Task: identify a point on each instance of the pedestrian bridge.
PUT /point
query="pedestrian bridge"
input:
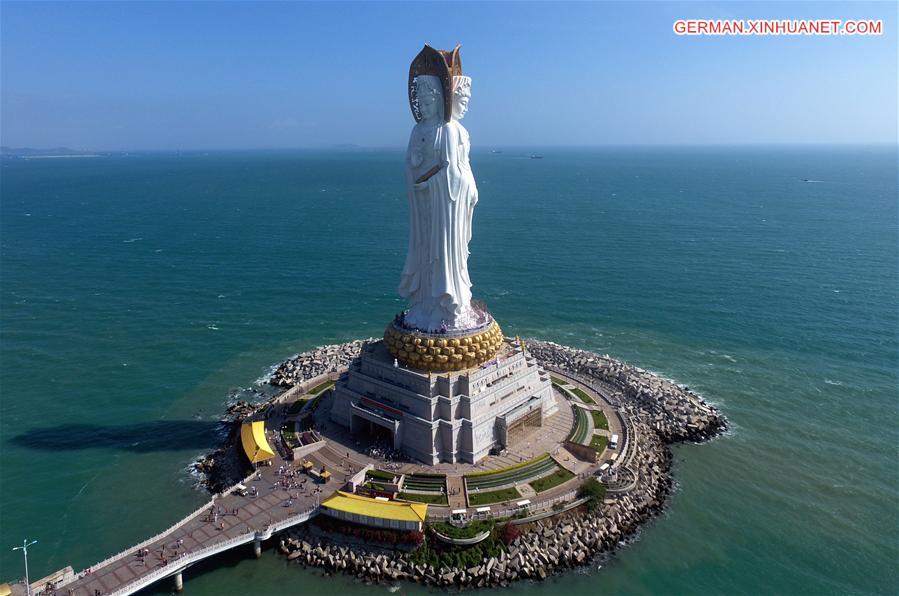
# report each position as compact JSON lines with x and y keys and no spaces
{"x":193,"y":539}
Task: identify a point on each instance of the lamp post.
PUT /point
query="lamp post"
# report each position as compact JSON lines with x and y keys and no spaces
{"x":24,"y":549}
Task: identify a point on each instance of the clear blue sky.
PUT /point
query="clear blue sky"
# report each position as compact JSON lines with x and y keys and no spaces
{"x":166,"y":75}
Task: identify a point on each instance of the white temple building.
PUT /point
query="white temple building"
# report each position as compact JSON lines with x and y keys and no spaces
{"x":444,"y":417}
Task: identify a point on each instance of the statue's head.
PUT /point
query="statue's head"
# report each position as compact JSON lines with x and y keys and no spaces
{"x":441,"y":65}
{"x":428,"y":97}
{"x":461,"y":96}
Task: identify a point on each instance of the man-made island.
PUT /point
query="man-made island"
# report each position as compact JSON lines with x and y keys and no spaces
{"x":558,"y":495}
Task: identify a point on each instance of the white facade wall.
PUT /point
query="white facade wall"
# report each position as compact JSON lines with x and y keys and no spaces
{"x":448,"y":417}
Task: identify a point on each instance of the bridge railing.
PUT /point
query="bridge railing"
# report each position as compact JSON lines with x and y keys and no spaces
{"x":157,"y":537}
{"x":511,"y":511}
{"x":185,"y":559}
{"x":145,"y":543}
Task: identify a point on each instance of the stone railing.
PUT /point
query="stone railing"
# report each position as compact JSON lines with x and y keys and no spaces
{"x":184,"y":560}
{"x":462,"y":541}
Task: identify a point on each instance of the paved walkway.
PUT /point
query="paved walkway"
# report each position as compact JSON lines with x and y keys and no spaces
{"x":455,"y":488}
{"x":225,"y":519}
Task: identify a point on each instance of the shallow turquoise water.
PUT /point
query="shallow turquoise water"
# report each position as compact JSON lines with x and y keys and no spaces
{"x":137,"y":291}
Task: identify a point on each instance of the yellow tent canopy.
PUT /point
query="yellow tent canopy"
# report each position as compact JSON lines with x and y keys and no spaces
{"x":252,"y":437}
{"x":359,"y":505}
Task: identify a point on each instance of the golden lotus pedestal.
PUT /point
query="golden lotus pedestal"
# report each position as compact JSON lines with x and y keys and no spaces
{"x":441,"y":352}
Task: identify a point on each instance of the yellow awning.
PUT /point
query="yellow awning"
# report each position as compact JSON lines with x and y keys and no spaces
{"x":5,"y":590}
{"x":350,"y":503}
{"x":252,"y":437}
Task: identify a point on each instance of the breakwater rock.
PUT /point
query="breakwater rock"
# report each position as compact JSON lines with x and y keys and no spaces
{"x":225,"y":466}
{"x":675,"y":412}
{"x":314,"y":363}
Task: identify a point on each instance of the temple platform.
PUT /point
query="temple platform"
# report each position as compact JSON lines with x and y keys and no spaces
{"x":450,"y":417}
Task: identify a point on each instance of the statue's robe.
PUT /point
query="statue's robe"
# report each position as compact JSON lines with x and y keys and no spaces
{"x":435,"y":277}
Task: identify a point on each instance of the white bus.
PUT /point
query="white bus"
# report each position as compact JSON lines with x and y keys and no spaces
{"x":613,"y":442}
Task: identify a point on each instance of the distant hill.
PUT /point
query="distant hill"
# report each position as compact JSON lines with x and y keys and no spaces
{"x":27,"y":151}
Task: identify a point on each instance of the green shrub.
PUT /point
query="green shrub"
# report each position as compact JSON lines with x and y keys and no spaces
{"x":594,"y":490}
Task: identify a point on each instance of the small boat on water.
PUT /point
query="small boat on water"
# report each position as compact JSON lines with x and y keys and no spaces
{"x":535,"y":156}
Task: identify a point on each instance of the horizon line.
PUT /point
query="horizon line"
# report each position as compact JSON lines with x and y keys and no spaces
{"x":353,"y":146}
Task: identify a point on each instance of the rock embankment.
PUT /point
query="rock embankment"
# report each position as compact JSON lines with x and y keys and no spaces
{"x":317,"y":362}
{"x":547,"y":547}
{"x":675,"y":412}
{"x":224,"y":467}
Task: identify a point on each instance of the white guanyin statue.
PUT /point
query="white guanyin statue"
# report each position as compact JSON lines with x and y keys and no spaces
{"x":442,"y":196}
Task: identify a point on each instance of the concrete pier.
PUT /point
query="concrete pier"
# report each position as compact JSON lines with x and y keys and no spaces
{"x":179,"y":582}
{"x":257,"y":548}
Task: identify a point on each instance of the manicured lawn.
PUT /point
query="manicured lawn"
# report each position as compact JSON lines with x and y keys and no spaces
{"x":557,"y":380}
{"x":508,"y":468}
{"x":321,"y":387}
{"x":493,"y":496}
{"x":512,"y":475}
{"x":295,"y":407}
{"x":555,"y":479}
{"x":583,"y":395}
{"x":380,"y":475}
{"x":580,"y":428}
{"x":599,"y":443}
{"x":599,"y":420}
{"x":429,"y":483}
{"x":422,"y":498}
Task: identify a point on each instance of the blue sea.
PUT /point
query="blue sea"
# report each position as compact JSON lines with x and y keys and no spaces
{"x":138,"y":291}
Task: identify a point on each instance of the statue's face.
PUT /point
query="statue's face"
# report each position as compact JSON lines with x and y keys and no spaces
{"x":429,"y":100}
{"x":460,"y":106}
